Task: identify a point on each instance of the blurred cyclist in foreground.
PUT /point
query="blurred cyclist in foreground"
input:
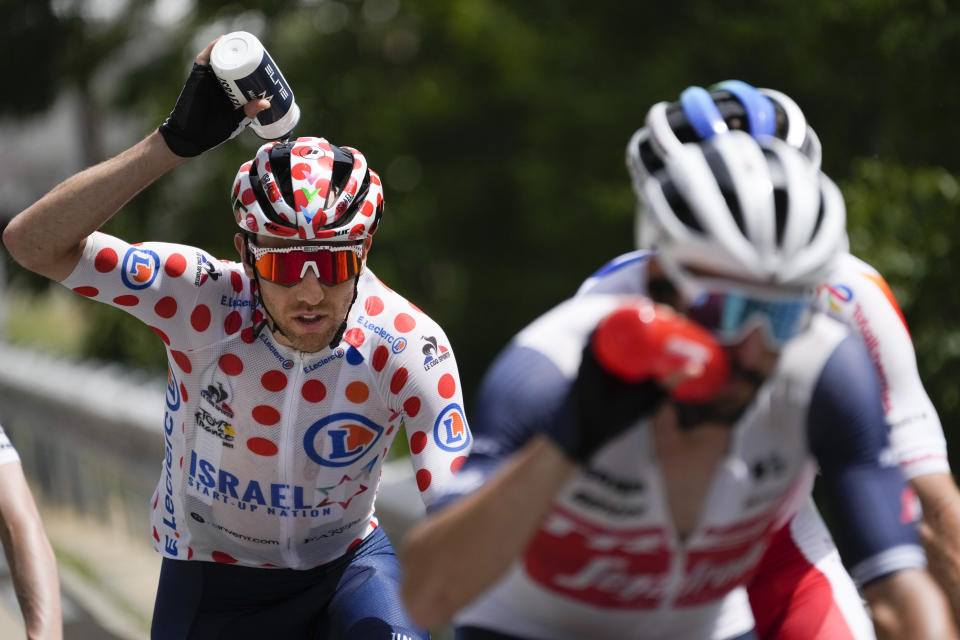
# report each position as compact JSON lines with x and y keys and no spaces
{"x":801,"y":585}
{"x":637,"y":449}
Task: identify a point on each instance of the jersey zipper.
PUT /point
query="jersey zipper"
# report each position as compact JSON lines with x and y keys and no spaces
{"x":675,"y":578}
{"x":287,"y":444}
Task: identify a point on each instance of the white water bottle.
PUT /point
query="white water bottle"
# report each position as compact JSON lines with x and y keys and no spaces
{"x":247,"y":72}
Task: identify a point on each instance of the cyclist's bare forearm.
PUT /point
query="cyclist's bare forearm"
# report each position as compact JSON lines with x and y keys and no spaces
{"x":940,"y":531}
{"x":31,"y":559}
{"x":908,"y":605}
{"x":48,"y":237}
{"x":453,"y":556}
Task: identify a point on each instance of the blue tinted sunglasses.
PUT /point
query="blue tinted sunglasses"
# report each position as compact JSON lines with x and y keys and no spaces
{"x":731,"y":315}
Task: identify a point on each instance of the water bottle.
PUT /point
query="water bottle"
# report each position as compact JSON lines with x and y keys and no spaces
{"x":246,"y":72}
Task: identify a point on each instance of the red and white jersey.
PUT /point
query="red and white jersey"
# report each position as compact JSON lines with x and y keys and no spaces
{"x":607,"y":561}
{"x":804,"y":556}
{"x":856,"y":294}
{"x":273,"y":456}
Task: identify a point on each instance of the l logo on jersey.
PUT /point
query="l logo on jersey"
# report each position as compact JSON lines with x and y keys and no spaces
{"x":450,"y":430}
{"x":341,"y":439}
{"x":173,"y":391}
{"x":140,"y":268}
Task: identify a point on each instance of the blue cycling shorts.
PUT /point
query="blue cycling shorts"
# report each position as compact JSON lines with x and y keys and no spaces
{"x":356,"y":596}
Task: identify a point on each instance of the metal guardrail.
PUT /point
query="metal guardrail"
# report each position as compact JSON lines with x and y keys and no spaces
{"x":88,"y":434}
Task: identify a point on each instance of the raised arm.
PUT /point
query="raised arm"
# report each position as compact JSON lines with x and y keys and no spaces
{"x":48,"y":237}
{"x":29,"y":555}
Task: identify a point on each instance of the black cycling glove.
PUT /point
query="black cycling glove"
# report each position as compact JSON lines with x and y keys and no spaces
{"x":600,"y":406}
{"x":203,"y":117}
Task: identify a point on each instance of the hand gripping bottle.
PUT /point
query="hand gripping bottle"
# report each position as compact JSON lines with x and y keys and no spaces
{"x":642,"y":341}
{"x":246,"y":71}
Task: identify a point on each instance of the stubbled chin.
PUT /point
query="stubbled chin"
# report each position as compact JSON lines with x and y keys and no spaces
{"x":306,"y":341}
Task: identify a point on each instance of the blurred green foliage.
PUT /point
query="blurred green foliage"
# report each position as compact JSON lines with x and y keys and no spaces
{"x":499,"y":128}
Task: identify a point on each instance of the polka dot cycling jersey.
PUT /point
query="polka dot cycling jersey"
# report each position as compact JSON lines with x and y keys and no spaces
{"x":273,"y":456}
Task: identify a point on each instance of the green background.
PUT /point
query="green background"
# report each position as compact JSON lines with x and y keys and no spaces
{"x":499,"y":129}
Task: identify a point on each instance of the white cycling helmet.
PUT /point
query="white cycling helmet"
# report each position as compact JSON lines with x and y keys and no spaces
{"x":308,"y":189}
{"x":701,"y":114}
{"x":740,"y":209}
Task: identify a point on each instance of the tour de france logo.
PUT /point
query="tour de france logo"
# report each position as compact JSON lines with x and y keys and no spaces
{"x":341,"y":439}
{"x":837,"y":296}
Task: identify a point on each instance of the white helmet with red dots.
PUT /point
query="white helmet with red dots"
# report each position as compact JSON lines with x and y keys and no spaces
{"x":308,"y":189}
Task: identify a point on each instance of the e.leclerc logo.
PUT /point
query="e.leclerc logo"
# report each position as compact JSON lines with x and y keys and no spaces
{"x":450,"y":430}
{"x":341,"y":439}
{"x":173,"y":391}
{"x":140,"y":268}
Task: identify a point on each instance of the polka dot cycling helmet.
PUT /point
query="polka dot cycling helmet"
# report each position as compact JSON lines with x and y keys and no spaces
{"x":701,"y":114}
{"x":743,"y":209}
{"x":308,"y":189}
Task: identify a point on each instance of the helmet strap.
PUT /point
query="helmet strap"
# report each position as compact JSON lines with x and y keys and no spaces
{"x":343,"y":326}
{"x":268,"y":320}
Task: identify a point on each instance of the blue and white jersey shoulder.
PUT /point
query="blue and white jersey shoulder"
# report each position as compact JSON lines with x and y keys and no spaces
{"x":626,"y":274}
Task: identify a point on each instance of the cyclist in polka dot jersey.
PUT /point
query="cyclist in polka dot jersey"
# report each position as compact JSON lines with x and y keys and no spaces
{"x":290,"y":373}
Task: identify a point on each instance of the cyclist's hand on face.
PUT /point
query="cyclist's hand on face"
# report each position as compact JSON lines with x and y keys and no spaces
{"x":204,"y":116}
{"x":639,"y":355}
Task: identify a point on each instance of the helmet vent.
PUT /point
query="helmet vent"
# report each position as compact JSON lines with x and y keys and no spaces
{"x":780,"y":207}
{"x":680,"y":207}
{"x":781,"y":199}
{"x":650,"y":159}
{"x":725,"y":182}
{"x":258,"y":191}
{"x":280,"y":166}
{"x":342,"y":165}
{"x":820,"y":214}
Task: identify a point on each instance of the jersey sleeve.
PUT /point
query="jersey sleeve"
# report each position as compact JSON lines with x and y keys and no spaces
{"x":857,"y":295}
{"x":864,"y":493}
{"x":186,"y":296}
{"x":625,"y":274}
{"x":7,"y":452}
{"x":422,"y":383}
{"x":520,"y":396}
